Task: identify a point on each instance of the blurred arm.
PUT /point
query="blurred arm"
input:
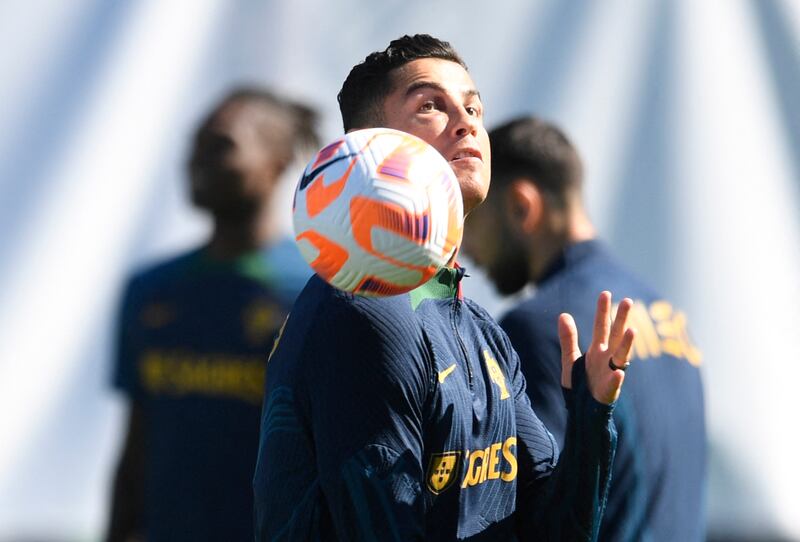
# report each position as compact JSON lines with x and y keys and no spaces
{"x":127,"y":500}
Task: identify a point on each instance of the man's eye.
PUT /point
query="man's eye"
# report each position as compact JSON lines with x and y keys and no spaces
{"x":427,"y":106}
{"x":473,"y":111}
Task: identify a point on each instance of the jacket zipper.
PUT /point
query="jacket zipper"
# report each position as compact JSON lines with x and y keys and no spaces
{"x":456,"y":306}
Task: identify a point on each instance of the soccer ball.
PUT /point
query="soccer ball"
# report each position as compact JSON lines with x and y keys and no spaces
{"x":378,"y":212}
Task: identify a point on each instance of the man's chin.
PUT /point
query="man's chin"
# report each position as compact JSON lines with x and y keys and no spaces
{"x":473,"y":192}
{"x":227,"y":209}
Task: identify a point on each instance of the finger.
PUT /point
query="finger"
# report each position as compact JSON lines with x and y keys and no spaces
{"x":622,"y":354}
{"x":568,"y":337}
{"x":570,"y":351}
{"x":619,"y":324}
{"x":602,"y":319}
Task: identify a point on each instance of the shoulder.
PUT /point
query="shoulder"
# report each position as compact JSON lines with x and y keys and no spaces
{"x":599,"y":269}
{"x":145,"y":299}
{"x":588,"y":268}
{"x":154,"y":275}
{"x":331,"y":316}
{"x":333,"y":336}
{"x":483,"y":319}
{"x":492,"y":332}
{"x":154,"y":281}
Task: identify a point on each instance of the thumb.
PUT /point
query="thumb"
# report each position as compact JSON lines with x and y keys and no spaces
{"x":570,"y":351}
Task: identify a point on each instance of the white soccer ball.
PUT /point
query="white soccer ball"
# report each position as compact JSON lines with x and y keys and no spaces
{"x":378,"y":212}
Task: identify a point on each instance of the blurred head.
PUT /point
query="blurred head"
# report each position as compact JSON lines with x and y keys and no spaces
{"x":531,"y":211}
{"x":241,"y":149}
{"x":420,"y":85}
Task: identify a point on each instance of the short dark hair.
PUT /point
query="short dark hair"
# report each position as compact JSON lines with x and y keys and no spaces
{"x":368,"y":83}
{"x":537,"y":150}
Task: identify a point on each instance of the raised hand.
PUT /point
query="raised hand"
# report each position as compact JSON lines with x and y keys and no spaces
{"x":609,"y":353}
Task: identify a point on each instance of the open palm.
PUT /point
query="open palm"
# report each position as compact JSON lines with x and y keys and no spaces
{"x":611,"y":341}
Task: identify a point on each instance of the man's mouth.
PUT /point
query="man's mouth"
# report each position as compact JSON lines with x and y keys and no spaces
{"x":466,"y":154}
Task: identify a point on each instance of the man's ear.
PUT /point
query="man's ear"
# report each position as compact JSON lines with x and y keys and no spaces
{"x":525,"y":205}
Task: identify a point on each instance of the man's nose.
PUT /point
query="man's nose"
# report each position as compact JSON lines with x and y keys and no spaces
{"x":465,"y":124}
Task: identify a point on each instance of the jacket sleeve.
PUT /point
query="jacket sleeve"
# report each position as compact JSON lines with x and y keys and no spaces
{"x":562,"y":497}
{"x":536,"y":343}
{"x":626,"y":514}
{"x":371,"y":379}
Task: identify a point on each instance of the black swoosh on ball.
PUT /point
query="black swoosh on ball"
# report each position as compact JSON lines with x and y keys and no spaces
{"x":306,"y":180}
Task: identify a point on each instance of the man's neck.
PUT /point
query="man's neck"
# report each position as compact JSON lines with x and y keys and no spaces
{"x":233,"y":238}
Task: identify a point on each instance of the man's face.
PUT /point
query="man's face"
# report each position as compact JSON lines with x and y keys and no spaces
{"x":490,"y":242}
{"x":232,"y":168}
{"x":436,"y":100}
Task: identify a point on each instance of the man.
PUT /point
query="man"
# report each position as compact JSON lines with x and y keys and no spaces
{"x":195,"y":333}
{"x":534,"y":228}
{"x":405,"y":417}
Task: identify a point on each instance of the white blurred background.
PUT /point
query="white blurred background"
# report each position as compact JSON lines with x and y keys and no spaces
{"x":687,"y":114}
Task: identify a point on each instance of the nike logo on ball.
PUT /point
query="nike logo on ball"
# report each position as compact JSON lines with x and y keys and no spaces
{"x":306,"y":180}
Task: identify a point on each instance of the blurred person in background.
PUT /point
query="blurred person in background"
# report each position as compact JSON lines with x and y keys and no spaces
{"x":195,"y":332}
{"x":533,"y":228}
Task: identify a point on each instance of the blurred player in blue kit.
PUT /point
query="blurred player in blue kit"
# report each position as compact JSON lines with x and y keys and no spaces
{"x":406,"y":417}
{"x":533,"y":228}
{"x":195,"y":332}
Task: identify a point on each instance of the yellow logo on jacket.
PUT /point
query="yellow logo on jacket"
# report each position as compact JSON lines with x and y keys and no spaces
{"x":442,"y":471}
{"x":496,"y":374}
{"x":444,"y":374}
{"x":486,"y":464}
{"x":498,"y":461}
{"x":260,"y":319}
{"x":157,"y":315}
{"x":179,"y":372}
{"x":661,"y":330}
